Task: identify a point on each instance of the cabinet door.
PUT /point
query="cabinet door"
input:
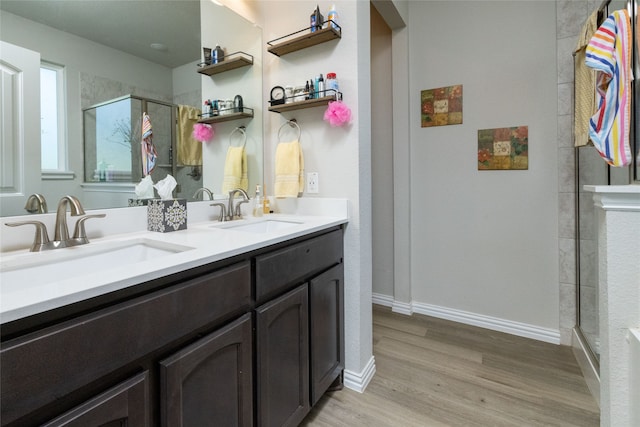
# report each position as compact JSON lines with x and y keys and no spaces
{"x":210,"y":382}
{"x":282,"y":359}
{"x":326,"y":314}
{"x":127,"y":404}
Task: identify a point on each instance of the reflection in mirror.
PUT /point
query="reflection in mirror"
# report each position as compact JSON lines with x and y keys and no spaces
{"x":112,"y":151}
{"x":104,"y":49}
{"x":110,"y":133}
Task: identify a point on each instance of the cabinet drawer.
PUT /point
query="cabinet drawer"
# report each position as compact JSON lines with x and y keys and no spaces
{"x":125,"y":404}
{"x":284,"y":268}
{"x":46,"y":365}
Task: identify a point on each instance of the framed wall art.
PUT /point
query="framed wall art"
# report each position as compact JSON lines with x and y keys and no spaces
{"x":503,"y":148}
{"x":441,"y":106}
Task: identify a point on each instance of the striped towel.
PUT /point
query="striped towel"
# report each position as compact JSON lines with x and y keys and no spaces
{"x":147,"y":149}
{"x":609,"y":53}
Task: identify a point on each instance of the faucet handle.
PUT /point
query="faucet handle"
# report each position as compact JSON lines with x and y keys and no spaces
{"x":41,"y":238}
{"x":223,"y":216}
{"x":36,"y":203}
{"x":238,"y":211}
{"x":79,"y":233}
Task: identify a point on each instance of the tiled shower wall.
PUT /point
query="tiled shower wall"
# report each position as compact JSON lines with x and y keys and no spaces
{"x":570,"y":17}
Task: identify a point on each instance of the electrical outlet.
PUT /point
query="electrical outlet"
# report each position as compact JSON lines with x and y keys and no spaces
{"x":312,"y":182}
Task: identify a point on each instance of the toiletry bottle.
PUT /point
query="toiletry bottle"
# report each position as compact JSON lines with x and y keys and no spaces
{"x":266,"y":206}
{"x":237,"y":104}
{"x":312,"y":90}
{"x":332,"y":84}
{"x":217,"y":55}
{"x":319,"y":18}
{"x":307,"y":90}
{"x":258,"y":207}
{"x":313,"y":22}
{"x":332,"y":17}
{"x":320,"y":87}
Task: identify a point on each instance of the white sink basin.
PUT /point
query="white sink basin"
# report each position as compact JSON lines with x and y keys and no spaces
{"x":60,"y":264}
{"x":259,"y":227}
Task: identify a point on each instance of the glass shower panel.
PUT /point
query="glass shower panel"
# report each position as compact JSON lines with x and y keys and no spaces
{"x":592,"y":170}
{"x":109,"y":139}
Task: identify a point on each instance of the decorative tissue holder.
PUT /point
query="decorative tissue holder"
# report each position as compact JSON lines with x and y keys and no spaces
{"x":139,"y":202}
{"x":167,"y":215}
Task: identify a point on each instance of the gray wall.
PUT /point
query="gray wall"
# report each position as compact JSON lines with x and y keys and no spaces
{"x":485,"y":243}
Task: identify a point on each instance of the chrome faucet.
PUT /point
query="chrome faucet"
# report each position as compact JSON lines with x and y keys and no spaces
{"x":203,"y":190}
{"x":36,"y":203}
{"x":61,"y":229}
{"x":41,"y":240}
{"x":233,"y":212}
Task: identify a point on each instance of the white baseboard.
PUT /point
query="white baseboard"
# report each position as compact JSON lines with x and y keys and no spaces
{"x":402,"y":308}
{"x":494,"y":323}
{"x":360,"y":381}
{"x":381,"y":299}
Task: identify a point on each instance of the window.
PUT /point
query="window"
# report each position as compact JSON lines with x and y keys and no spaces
{"x":52,"y":118}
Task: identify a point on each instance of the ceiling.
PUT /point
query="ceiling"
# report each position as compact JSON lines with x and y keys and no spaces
{"x":130,"y":26}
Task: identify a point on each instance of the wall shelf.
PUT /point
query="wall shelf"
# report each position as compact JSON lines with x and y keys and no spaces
{"x":287,"y":44}
{"x":230,"y":62}
{"x":308,"y":103}
{"x":244,"y":114}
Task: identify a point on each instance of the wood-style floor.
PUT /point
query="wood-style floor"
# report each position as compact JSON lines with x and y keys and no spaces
{"x":433,"y":372}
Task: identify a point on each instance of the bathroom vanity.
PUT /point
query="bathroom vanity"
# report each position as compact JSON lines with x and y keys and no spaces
{"x":251,"y":337}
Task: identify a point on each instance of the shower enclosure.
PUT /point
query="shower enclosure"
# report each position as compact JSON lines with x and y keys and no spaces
{"x":112,"y":136}
{"x":592,"y":170}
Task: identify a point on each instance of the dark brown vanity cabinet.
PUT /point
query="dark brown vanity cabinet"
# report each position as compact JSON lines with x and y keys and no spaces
{"x":299,"y":334}
{"x":71,"y":364}
{"x":210,"y":380}
{"x":255,"y":339}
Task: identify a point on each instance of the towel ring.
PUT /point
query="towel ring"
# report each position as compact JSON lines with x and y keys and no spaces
{"x":240,"y":129}
{"x":291,"y":123}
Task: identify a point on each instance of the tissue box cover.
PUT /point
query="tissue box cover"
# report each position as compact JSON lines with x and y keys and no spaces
{"x":167,"y":215}
{"x":139,"y":202}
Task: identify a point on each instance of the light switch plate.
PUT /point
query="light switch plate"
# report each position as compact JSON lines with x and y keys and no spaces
{"x":312,"y":183}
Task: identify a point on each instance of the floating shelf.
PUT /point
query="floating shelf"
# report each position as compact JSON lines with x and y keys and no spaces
{"x":308,"y":103}
{"x":287,"y":44}
{"x":244,"y":114}
{"x":230,"y":62}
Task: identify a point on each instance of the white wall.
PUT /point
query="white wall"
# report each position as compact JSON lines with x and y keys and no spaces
{"x":341,"y":156}
{"x":382,"y":155}
{"x":485,"y":242}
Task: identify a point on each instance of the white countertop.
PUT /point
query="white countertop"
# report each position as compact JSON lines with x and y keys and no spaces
{"x":205,"y":242}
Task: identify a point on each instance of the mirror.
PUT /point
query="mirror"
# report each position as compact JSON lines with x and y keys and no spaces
{"x":105,"y":49}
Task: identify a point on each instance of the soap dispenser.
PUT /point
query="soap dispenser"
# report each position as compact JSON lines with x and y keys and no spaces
{"x":257,"y":203}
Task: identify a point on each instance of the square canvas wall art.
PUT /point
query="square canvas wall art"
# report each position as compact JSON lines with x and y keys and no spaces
{"x":441,"y":106}
{"x":503,"y":148}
